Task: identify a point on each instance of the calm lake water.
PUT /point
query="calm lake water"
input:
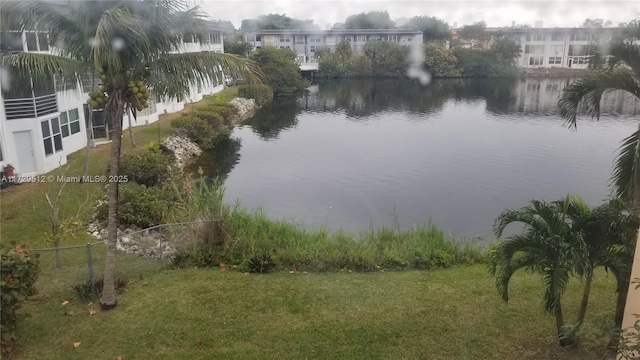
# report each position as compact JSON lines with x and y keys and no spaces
{"x":354,"y":153}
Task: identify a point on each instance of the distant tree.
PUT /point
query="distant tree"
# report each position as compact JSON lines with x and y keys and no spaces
{"x":276,"y":22}
{"x":440,"y":62}
{"x":237,"y":47}
{"x":280,"y":69}
{"x":475,"y":31}
{"x":432,"y":28}
{"x":593,"y":23}
{"x":386,"y":58}
{"x":343,"y":51}
{"x":336,"y":64}
{"x":507,"y":50}
{"x":370,"y":20}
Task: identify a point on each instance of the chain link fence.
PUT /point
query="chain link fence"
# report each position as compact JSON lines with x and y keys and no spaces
{"x":79,"y":269}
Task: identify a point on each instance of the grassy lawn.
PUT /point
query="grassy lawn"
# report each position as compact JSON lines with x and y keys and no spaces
{"x":209,"y":314}
{"x":24,"y":210}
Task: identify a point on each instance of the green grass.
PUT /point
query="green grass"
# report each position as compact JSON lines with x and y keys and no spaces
{"x":208,"y":314}
{"x":23,"y":208}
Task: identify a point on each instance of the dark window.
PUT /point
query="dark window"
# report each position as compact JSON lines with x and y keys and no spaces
{"x":31,"y":41}
{"x":46,"y":137}
{"x":11,"y":41}
{"x":43,"y":41}
{"x":258,"y":38}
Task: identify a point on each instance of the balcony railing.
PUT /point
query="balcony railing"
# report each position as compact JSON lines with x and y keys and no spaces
{"x":30,"y":107}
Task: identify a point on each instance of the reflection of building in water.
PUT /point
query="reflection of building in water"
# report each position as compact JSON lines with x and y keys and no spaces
{"x":540,"y":96}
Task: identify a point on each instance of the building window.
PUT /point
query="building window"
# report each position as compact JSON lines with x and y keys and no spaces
{"x":576,"y":50}
{"x":535,"y":37}
{"x":11,"y":41}
{"x":51,"y":136}
{"x":312,"y":48}
{"x":299,"y":39}
{"x":258,"y":38}
{"x":32,"y":44}
{"x":43,"y":41}
{"x":361,"y":38}
{"x":582,"y":36}
{"x":70,"y":122}
{"x":535,"y":60}
{"x":555,"y":60}
{"x":533,"y":49}
{"x":315,"y":40}
{"x":557,"y":37}
{"x":285,"y":39}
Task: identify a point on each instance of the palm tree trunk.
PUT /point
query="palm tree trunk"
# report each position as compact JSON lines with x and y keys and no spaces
{"x":585,"y":299}
{"x":621,"y":303}
{"x":85,"y":167}
{"x":564,"y":341}
{"x":133,"y":141}
{"x":108,"y":299}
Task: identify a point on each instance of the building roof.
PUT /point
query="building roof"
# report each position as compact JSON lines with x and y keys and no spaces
{"x":564,"y":29}
{"x":337,"y":31}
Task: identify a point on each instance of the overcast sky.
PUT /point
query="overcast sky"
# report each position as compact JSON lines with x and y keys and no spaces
{"x":559,"y":13}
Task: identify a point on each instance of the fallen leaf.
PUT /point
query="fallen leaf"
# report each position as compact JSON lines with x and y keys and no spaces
{"x":119,"y":358}
{"x":19,"y":249}
{"x":92,"y":312}
{"x":222,"y":265}
{"x":64,"y":303}
{"x":291,"y":272}
{"x":76,"y":344}
{"x":246,"y":273}
{"x":8,"y":349}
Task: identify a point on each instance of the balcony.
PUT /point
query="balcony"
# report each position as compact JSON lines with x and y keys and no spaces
{"x":30,"y":107}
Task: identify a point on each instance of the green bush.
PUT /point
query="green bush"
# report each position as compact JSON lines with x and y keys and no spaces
{"x":262,"y":94}
{"x":149,"y":167}
{"x":18,"y":273}
{"x":142,"y":206}
{"x":196,"y":129}
{"x":139,"y":206}
{"x":228,"y":112}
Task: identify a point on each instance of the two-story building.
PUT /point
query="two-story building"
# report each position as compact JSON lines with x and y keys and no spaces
{"x":43,"y":121}
{"x":555,"y":47}
{"x":306,"y":42}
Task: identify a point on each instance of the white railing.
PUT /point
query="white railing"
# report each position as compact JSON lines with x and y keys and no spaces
{"x":30,"y":107}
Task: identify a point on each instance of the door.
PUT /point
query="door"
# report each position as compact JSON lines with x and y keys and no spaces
{"x":24,"y":147}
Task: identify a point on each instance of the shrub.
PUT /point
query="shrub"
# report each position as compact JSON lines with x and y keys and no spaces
{"x":260,"y":263}
{"x":228,"y":112}
{"x":18,"y":273}
{"x":196,"y":129}
{"x":211,"y":117}
{"x":262,"y":94}
{"x":139,"y":206}
{"x":149,"y":167}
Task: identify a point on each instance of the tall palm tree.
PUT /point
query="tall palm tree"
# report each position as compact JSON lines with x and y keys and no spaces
{"x":547,"y":245}
{"x":128,"y":43}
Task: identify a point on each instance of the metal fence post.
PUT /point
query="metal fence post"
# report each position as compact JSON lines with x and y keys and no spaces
{"x":92,"y":279}
{"x":162,"y":233}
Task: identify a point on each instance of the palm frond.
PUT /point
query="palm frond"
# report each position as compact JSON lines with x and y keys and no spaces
{"x":556,"y":279}
{"x":173,"y":74}
{"x":622,"y":52}
{"x":625,"y":180}
{"x":44,"y":66}
{"x":589,"y":91}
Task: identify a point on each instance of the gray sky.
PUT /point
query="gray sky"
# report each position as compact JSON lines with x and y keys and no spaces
{"x":559,"y":13}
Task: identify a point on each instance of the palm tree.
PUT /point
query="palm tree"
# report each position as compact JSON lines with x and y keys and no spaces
{"x":621,"y":71}
{"x":547,"y":245}
{"x":608,"y":232}
{"x":127,"y":43}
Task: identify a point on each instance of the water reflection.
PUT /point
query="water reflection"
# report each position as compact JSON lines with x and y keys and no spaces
{"x":458,"y":152}
{"x":537,"y":96}
{"x":220,"y":162}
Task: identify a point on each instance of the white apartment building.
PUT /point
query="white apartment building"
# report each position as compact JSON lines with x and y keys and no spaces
{"x":555,"y":47}
{"x":42,"y":122}
{"x":306,"y":42}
